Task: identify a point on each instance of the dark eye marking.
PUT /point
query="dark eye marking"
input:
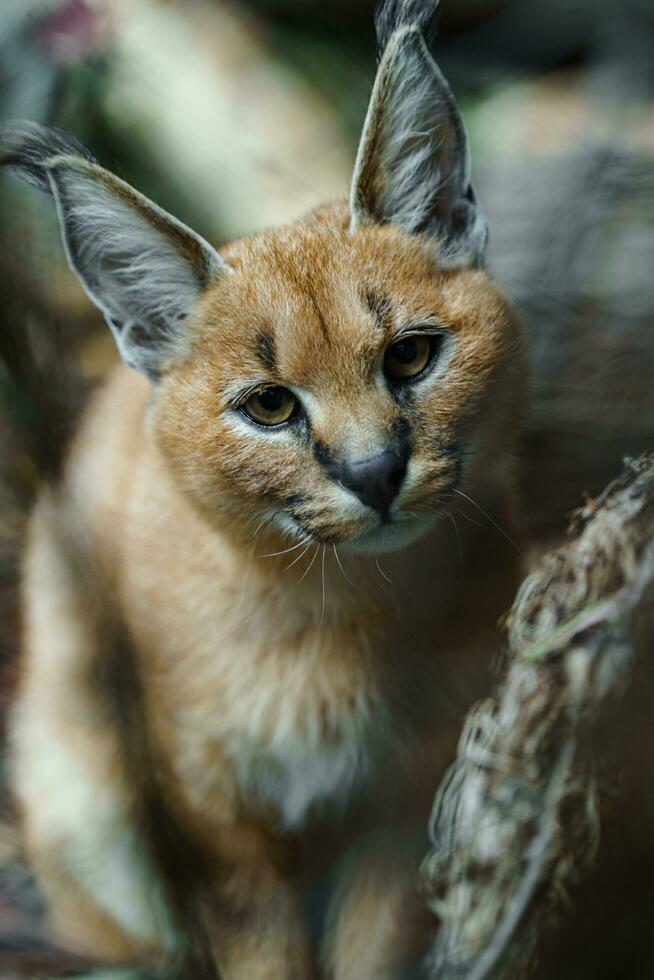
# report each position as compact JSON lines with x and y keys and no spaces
{"x":403,"y":430}
{"x":380,"y":309}
{"x":323,"y":455}
{"x":322,"y":323}
{"x":452,"y":449}
{"x":266,"y":352}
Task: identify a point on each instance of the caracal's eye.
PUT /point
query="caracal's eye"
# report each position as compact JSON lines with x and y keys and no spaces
{"x":271,"y":406}
{"x":408,"y":357}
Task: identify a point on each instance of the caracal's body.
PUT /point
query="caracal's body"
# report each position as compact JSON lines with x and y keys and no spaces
{"x":253,"y":604}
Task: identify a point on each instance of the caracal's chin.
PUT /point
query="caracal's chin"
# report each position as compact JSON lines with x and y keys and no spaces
{"x":402,"y":532}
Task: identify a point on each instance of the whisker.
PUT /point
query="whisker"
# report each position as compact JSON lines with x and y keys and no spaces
{"x":458,"y":536}
{"x":297,"y":557}
{"x":266,"y":519}
{"x":274,"y":554}
{"x":310,"y":565}
{"x":341,"y":567}
{"x":489,"y":518}
{"x":322,"y":610}
{"x":381,"y":571}
{"x":468,"y":517}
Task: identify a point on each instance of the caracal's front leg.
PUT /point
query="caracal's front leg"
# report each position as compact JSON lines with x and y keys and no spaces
{"x":257,"y":930}
{"x":380,"y":924}
{"x":72,"y":787}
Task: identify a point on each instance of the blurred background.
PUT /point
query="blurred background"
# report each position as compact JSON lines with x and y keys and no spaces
{"x":238,"y":115}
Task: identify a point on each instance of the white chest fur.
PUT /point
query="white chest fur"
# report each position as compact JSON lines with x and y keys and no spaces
{"x":290,"y":755}
{"x":297,"y":709}
{"x":296,"y":775}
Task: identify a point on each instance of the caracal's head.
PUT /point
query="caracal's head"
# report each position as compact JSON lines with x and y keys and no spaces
{"x":336,"y":379}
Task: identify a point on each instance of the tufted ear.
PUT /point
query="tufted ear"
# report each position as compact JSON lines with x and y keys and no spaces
{"x":413,"y":164}
{"x":139,"y":265}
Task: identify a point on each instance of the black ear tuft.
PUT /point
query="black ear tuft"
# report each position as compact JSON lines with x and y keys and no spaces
{"x":27,"y":147}
{"x":391,"y":15}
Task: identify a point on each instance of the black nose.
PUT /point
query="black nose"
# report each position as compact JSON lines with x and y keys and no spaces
{"x":377,"y":479}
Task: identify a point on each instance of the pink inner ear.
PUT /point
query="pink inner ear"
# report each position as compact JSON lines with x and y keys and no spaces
{"x":72,"y":31}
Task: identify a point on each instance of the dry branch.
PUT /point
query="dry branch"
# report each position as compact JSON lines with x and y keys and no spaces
{"x":515,"y":821}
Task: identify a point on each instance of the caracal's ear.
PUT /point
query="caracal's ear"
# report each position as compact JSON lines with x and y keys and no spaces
{"x":139,"y":265}
{"x":413,"y":164}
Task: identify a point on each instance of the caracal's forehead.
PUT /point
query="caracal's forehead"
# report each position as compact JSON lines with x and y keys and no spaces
{"x":315,"y":301}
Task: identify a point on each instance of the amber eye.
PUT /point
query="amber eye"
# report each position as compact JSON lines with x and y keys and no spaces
{"x":271,"y":406}
{"x":409,"y":356}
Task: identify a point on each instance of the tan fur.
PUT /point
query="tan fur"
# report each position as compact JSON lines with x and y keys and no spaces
{"x":259,"y":680}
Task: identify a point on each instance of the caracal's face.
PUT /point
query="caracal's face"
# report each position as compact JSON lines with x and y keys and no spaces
{"x":339,"y":385}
